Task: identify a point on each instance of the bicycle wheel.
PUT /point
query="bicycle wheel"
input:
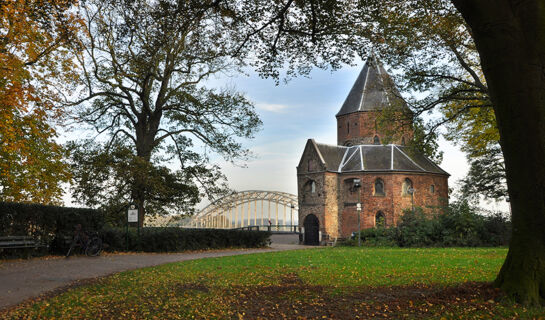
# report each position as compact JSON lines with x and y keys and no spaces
{"x":94,"y":247}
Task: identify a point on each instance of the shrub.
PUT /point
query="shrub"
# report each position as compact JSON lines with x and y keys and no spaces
{"x":172,"y":239}
{"x":460,"y":225}
{"x":379,"y":237}
{"x":53,"y":225}
{"x":45,"y":222}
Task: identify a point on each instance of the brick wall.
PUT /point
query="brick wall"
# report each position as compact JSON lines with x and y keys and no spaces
{"x":362,"y":127}
{"x":393,"y":202}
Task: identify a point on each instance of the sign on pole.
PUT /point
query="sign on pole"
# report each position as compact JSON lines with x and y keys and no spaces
{"x":132,"y":215}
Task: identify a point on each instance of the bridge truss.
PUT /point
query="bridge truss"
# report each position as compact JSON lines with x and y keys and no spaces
{"x":248,"y":208}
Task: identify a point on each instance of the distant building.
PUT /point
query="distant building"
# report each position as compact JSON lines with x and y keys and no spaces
{"x":391,"y":177}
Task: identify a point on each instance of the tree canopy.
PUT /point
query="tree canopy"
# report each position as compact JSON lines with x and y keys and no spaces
{"x":144,"y":65}
{"x":35,"y":63}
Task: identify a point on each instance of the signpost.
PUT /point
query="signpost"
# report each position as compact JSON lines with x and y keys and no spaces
{"x":132,"y":216}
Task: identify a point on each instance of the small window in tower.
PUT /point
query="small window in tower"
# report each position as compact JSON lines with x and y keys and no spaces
{"x":310,"y":187}
{"x":402,"y":141}
{"x":311,"y":165}
{"x":407,"y":187}
{"x":348,"y":127}
{"x":379,"y":187}
{"x":432,"y":188}
{"x":380,"y":220}
{"x":376,"y":140}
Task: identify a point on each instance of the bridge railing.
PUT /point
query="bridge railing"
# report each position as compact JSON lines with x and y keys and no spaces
{"x":275,"y":228}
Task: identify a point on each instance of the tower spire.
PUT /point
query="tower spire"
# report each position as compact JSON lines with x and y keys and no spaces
{"x":373,"y":90}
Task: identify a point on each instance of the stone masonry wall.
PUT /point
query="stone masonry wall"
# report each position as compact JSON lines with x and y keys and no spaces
{"x":361,"y":128}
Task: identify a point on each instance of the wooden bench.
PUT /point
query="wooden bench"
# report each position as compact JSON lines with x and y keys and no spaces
{"x":19,"y":242}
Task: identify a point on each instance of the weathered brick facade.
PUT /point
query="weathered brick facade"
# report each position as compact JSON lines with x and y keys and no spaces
{"x":362,"y":128}
{"x":387,"y":173}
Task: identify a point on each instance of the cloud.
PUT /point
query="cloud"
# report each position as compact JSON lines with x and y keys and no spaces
{"x":271,"y":107}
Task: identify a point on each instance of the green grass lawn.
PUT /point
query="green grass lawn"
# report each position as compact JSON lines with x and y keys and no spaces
{"x":342,"y":283}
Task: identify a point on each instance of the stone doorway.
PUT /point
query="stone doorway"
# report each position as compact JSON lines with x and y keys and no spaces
{"x":312,"y":228}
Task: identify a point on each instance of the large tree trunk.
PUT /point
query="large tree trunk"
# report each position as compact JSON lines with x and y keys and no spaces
{"x":510,"y":38}
{"x":146,"y":131}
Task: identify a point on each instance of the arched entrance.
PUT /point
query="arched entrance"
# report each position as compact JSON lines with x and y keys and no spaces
{"x":312,"y":227}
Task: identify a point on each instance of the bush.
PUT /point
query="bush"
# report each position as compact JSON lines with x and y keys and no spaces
{"x":53,"y":225}
{"x":460,"y":225}
{"x":379,"y":237}
{"x":172,"y":239}
{"x":45,"y":223}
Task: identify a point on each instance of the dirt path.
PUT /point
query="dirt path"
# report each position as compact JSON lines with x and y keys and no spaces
{"x":24,"y":279}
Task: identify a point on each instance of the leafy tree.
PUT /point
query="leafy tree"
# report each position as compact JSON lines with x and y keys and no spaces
{"x":508,"y":36}
{"x":432,"y":45}
{"x":143,"y":69}
{"x":34,"y":63}
{"x":486,"y":176}
{"x":104,"y":178}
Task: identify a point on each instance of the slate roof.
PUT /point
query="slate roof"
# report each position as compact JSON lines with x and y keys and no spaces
{"x":373,"y":90}
{"x":374,"y":158}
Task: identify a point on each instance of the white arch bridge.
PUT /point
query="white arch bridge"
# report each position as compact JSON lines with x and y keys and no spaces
{"x":252,"y":209}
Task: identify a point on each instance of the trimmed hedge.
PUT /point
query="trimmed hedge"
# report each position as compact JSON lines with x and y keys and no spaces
{"x":45,"y":222}
{"x":459,"y":226}
{"x":52,"y":225}
{"x":172,"y":239}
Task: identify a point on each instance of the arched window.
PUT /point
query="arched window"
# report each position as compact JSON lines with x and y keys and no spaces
{"x":402,"y":141}
{"x":407,"y":187}
{"x":376,"y":140}
{"x":310,"y":187}
{"x":380,"y":220}
{"x":432,"y":188}
{"x":379,"y":187}
{"x":349,"y":192}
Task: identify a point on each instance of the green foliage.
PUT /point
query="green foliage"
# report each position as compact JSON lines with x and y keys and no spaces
{"x":459,"y":226}
{"x":46,"y":223}
{"x":171,"y":239}
{"x":148,"y":96}
{"x":486,"y":175}
{"x":53,"y":226}
{"x":104,"y":176}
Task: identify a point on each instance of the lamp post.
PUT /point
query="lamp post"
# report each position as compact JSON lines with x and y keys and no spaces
{"x":291,"y":213}
{"x":356,"y":185}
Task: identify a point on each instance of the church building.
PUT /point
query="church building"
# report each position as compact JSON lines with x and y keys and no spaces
{"x":370,"y":172}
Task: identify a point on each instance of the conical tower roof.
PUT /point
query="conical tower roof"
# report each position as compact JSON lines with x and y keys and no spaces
{"x":373,"y":90}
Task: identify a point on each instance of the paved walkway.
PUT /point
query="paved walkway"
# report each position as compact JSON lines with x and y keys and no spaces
{"x":24,"y":279}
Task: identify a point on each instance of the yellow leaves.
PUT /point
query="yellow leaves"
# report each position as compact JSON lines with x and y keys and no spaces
{"x":33,"y":33}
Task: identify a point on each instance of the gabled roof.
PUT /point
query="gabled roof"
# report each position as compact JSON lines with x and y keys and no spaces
{"x":373,"y":90}
{"x":383,"y":158}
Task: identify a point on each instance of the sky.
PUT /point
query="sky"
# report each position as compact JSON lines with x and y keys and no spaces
{"x":294,"y":112}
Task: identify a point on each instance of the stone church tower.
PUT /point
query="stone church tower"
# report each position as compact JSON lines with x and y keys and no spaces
{"x":384,"y":178}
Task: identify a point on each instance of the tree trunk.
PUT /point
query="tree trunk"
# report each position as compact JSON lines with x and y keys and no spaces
{"x":510,"y":38}
{"x":146,"y":131}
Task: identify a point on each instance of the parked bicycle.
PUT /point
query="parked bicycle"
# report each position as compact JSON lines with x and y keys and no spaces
{"x":91,"y":244}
